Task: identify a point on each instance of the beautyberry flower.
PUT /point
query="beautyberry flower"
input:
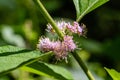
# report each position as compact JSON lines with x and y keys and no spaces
{"x":61,"y":25}
{"x":75,"y":28}
{"x":71,"y":28}
{"x":66,"y":26}
{"x":59,"y":48}
{"x":59,"y":51}
{"x":68,"y":43}
{"x":45,"y":45}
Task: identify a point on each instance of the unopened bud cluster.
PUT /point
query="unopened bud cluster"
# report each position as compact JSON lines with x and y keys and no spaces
{"x":60,"y":48}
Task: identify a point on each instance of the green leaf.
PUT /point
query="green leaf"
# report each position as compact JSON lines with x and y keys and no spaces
{"x":85,"y":6}
{"x":113,"y":73}
{"x":13,"y":57}
{"x":48,"y":70}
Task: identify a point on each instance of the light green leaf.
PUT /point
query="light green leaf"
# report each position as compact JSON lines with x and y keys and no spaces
{"x":85,"y":6}
{"x":13,"y":57}
{"x":48,"y":70}
{"x":113,"y":73}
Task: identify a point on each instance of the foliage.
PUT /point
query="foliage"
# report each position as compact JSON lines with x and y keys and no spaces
{"x":14,"y":57}
{"x":113,"y":73}
{"x":85,"y":6}
{"x":26,"y":21}
{"x":48,"y":70}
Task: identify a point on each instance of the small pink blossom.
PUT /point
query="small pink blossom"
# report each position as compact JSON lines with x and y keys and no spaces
{"x":69,"y":43}
{"x":63,"y":26}
{"x":60,"y":49}
{"x":71,"y":28}
{"x":79,"y":30}
{"x":75,"y":28}
{"x":45,"y":44}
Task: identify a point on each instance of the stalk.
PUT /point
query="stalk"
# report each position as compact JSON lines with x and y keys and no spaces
{"x":61,"y":35}
{"x":83,"y":66}
{"x":48,"y":17}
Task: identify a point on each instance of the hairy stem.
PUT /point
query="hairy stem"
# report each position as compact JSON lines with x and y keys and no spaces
{"x":60,"y":34}
{"x":48,"y":17}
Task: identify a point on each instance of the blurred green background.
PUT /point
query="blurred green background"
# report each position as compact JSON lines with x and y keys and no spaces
{"x":21,"y":24}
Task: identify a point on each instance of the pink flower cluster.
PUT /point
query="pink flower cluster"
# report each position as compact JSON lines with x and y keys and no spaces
{"x":63,"y":26}
{"x":59,"y":48}
{"x":75,"y":28}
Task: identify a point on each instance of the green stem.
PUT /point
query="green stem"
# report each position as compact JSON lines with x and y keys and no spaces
{"x":41,"y":58}
{"x":83,"y":66}
{"x":60,"y":34}
{"x":48,"y":18}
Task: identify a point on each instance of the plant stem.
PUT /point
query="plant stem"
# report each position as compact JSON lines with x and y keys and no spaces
{"x":83,"y":66}
{"x":48,"y":17}
{"x":60,"y":34}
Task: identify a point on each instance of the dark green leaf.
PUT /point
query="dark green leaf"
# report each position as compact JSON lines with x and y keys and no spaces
{"x":13,"y":57}
{"x":48,"y":70}
{"x":113,"y":73}
{"x":85,"y":6}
